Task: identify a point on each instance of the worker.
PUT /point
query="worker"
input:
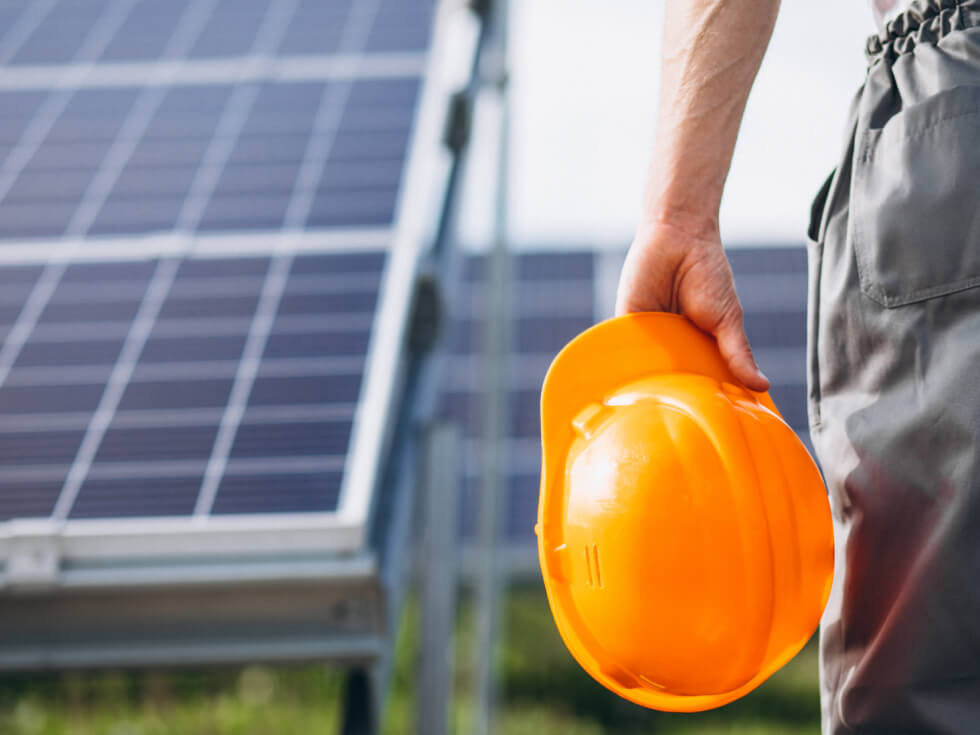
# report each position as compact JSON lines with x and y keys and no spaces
{"x":893,"y":356}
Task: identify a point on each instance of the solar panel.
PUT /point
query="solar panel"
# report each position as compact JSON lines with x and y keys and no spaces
{"x":197,"y":202}
{"x":300,"y":403}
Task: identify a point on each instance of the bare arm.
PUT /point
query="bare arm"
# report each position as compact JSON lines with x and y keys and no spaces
{"x":712,"y":51}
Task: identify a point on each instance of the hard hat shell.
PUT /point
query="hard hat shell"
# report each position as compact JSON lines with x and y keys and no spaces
{"x":684,"y":532}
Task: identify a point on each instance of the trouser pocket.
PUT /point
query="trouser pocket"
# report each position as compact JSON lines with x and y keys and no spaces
{"x":916,"y":201}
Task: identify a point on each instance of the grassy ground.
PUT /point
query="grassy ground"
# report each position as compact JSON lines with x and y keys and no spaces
{"x":542,"y":692}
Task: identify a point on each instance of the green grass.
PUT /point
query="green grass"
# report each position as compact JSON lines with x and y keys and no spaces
{"x":542,"y":691}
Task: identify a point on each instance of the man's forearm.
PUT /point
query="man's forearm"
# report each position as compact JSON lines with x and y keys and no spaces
{"x":712,"y":51}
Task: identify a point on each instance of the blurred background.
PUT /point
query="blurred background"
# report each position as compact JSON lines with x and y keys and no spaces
{"x":256,"y":474}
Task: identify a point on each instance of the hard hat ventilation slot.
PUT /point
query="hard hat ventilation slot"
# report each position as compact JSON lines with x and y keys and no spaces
{"x":592,"y":566}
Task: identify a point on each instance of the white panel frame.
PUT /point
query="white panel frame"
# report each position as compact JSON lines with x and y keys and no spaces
{"x":131,"y":543}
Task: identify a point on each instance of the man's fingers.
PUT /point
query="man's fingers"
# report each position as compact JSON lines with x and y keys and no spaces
{"x":694,"y":280}
{"x":734,"y":346}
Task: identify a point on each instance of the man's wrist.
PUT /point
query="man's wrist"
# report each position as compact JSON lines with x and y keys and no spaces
{"x":693,"y":224}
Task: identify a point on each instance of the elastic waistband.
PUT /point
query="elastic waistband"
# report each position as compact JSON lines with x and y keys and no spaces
{"x":926,"y":21}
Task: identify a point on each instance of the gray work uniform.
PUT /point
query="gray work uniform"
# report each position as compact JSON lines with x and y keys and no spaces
{"x":894,"y":383}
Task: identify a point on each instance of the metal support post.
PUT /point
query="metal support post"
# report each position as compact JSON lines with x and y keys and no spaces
{"x":360,"y":707}
{"x":495,"y":419}
{"x":438,"y":567}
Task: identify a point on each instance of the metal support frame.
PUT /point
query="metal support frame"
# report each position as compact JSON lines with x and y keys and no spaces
{"x":435,"y":278}
{"x":438,"y":565}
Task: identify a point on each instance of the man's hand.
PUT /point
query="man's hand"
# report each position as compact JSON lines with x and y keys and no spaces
{"x":668,"y":269}
{"x":712,"y":51}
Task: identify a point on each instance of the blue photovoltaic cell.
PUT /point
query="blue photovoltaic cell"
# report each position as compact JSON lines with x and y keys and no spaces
{"x":141,"y":496}
{"x":193,"y":348}
{"x":35,"y":219}
{"x":209,"y":307}
{"x":524,"y":412}
{"x":28,"y":497}
{"x":87,"y":352}
{"x":39,"y":447}
{"x":336,"y":263}
{"x":402,"y":25}
{"x":90,"y":311}
{"x":148,"y":444}
{"x":130,"y":271}
{"x":296,"y":438}
{"x":522,"y":501}
{"x":169,"y":152}
{"x":255,"y":178}
{"x":769,"y":260}
{"x":59,"y":398}
{"x":277,"y":492}
{"x":791,"y":401}
{"x":317,"y":344}
{"x":547,"y":334}
{"x":169,"y":394}
{"x":554,"y":266}
{"x":231,"y":31}
{"x":18,"y":109}
{"x":464,"y":336}
{"x":49,"y":186}
{"x":8,"y":313}
{"x":220,"y":267}
{"x":145,"y":32}
{"x":19,"y":275}
{"x":304,"y":390}
{"x":777,"y":329}
{"x":61,"y":34}
{"x":246,"y":212}
{"x":327,"y":303}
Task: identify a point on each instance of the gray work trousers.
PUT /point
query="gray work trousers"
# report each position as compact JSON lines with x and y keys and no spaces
{"x":894,"y":383}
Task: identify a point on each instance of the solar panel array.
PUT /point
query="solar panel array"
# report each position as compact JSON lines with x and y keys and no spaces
{"x":173,"y":385}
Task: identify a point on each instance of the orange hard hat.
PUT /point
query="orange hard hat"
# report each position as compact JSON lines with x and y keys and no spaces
{"x":684,"y":532}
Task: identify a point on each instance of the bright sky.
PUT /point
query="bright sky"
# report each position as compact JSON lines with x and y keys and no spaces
{"x":584,"y":101}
